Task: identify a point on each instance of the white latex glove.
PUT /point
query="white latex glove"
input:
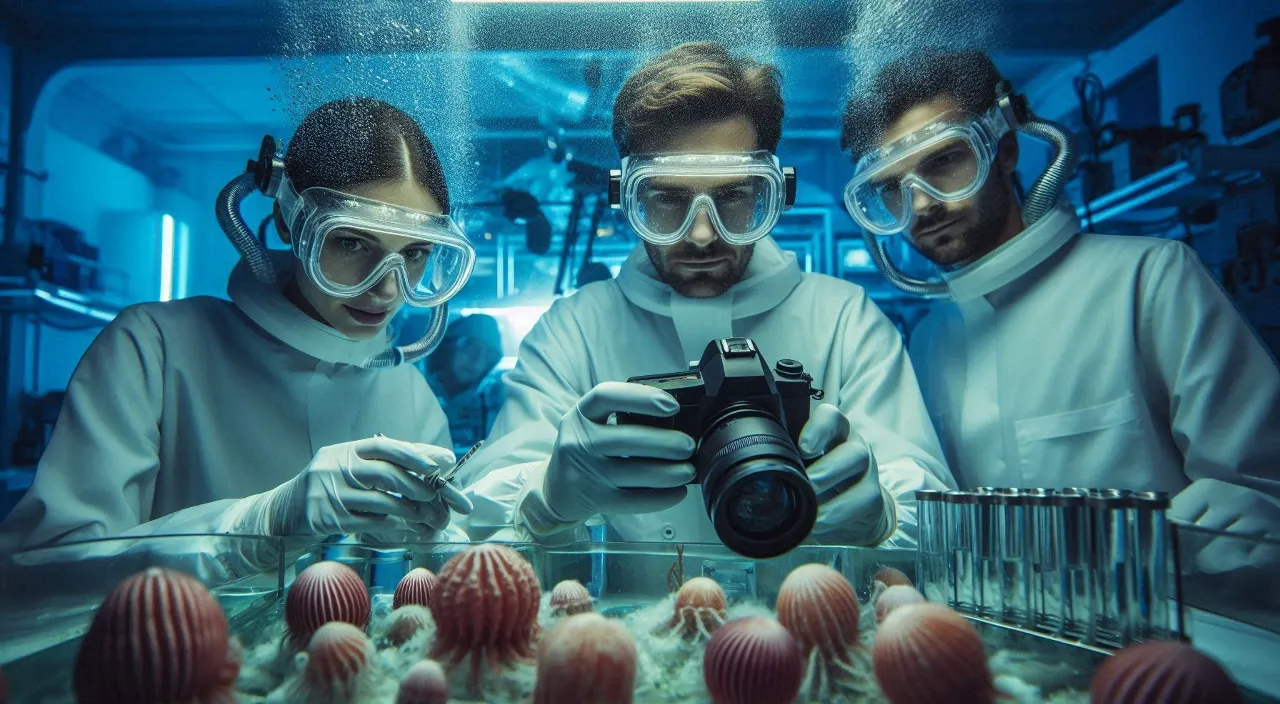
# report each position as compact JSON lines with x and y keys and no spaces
{"x":601,"y":467}
{"x":853,"y":508}
{"x":377,"y":485}
{"x":1231,"y":508}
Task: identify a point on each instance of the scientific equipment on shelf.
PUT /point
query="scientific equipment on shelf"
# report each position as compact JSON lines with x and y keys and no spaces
{"x":1092,"y":565}
{"x":1128,"y":155}
{"x":1250,"y":94}
{"x":64,"y":257}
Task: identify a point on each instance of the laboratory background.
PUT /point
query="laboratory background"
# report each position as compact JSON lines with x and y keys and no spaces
{"x":123,"y":125}
{"x":124,"y":120}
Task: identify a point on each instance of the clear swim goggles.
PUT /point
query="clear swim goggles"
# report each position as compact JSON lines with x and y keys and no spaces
{"x":948,"y":159}
{"x":743,"y":194}
{"x":348,"y":244}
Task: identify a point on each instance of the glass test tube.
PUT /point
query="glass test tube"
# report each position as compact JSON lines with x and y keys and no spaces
{"x":960,"y":509}
{"x":1149,"y":536}
{"x":1071,"y":525}
{"x":988,"y":538}
{"x":1112,"y":566}
{"x":1044,"y":588}
{"x":1015,"y":585}
{"x":931,"y":552}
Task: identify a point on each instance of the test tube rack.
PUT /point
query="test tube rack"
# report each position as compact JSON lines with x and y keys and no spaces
{"x":1094,"y":567}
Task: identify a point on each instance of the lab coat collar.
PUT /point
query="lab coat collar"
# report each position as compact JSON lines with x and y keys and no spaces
{"x":1014,"y":258}
{"x":266,"y":305}
{"x":770,"y":277}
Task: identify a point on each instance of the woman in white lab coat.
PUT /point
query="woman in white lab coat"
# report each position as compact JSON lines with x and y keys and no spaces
{"x":282,"y":411}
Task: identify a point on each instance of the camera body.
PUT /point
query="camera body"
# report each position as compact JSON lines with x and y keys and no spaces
{"x":731,"y":371}
{"x":746,"y":419}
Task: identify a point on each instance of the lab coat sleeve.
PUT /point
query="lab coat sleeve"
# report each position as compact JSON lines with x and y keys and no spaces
{"x":97,"y":477}
{"x":504,"y":478}
{"x":881,"y":397}
{"x":1222,"y":383}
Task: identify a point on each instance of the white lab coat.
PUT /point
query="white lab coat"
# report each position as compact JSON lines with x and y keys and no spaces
{"x":179,"y":409}
{"x":1084,"y":360}
{"x":613,"y":330}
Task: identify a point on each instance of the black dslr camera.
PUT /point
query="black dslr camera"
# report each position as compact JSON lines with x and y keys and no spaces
{"x":746,"y":421}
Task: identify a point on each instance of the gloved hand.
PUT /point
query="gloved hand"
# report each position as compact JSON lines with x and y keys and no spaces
{"x":351,"y":488}
{"x":846,"y":480}
{"x":599,"y":467}
{"x":1231,"y":508}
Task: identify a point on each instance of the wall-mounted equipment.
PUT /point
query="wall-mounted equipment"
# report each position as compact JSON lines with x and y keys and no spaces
{"x":63,"y":256}
{"x":1127,"y":155}
{"x":1251,"y":93}
{"x":1171,"y":168}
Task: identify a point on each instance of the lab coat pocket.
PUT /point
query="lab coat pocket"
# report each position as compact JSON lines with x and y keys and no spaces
{"x":1080,"y":447}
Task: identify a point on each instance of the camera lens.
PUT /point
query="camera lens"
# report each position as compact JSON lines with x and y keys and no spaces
{"x":761,"y":507}
{"x":757,"y":494}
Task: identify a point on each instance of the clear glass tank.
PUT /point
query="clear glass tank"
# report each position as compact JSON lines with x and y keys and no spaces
{"x":49,"y":597}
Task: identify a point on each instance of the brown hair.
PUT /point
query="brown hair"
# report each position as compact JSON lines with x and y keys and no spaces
{"x":693,"y":83}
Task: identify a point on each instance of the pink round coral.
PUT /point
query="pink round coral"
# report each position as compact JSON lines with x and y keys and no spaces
{"x":1164,"y":672}
{"x":819,"y":607}
{"x":323,"y":593}
{"x":890,"y":577}
{"x":404,"y":623}
{"x":425,"y":683}
{"x":894,"y":597}
{"x":570,"y":597}
{"x":338,"y":664}
{"x":586,"y":658}
{"x":753,"y":661}
{"x":417,"y":587}
{"x":700,"y":608}
{"x":927,"y":653}
{"x":486,"y":607}
{"x":159,"y":636}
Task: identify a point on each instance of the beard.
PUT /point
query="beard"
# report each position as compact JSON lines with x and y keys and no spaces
{"x":669,"y":261}
{"x":966,"y":243}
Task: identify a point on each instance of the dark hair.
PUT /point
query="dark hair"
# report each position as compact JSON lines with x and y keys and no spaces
{"x":968,"y":77}
{"x":362,"y":140}
{"x":693,"y":83}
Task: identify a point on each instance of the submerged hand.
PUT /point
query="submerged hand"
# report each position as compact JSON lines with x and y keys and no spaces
{"x":1230,"y":508}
